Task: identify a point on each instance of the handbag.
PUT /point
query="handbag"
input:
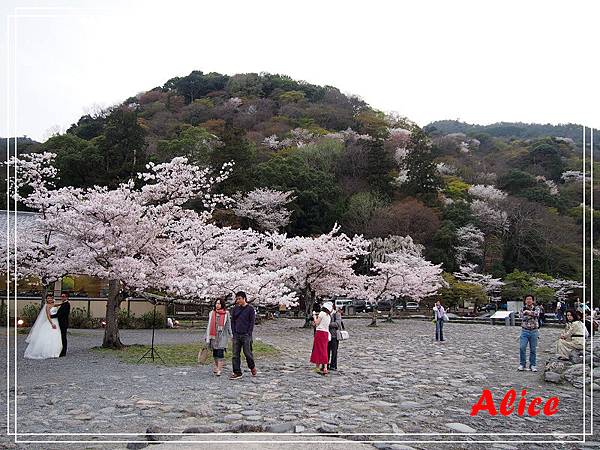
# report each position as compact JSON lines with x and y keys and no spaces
{"x":203,"y":354}
{"x":446,"y":318}
{"x":343,"y":335}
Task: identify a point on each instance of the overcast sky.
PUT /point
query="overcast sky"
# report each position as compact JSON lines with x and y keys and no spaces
{"x":477,"y":61}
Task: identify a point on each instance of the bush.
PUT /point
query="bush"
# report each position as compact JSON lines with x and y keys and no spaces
{"x":29,"y":314}
{"x":159,"y":321}
{"x":3,"y":308}
{"x":127,"y":320}
{"x":79,"y":319}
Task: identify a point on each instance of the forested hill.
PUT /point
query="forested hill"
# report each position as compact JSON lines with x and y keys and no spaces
{"x":511,"y":130}
{"x":467,"y":196}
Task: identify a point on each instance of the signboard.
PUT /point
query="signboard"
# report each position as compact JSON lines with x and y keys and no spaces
{"x":501,"y":314}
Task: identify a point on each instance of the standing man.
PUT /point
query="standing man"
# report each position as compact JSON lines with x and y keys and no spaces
{"x":529,"y":334}
{"x":559,"y":311}
{"x":63,"y":319}
{"x":242,"y":325}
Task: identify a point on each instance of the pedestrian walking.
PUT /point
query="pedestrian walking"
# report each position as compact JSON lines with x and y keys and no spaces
{"x":243,"y":317}
{"x":542,"y":318}
{"x":319,"y":355}
{"x":439,"y":314}
{"x":572,"y":337}
{"x":218,"y":332}
{"x":529,"y":334}
{"x":335,"y":326}
{"x":560,"y":312}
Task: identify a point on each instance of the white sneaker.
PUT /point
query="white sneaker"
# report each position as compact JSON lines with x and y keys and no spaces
{"x":533,"y":368}
{"x":521,"y":368}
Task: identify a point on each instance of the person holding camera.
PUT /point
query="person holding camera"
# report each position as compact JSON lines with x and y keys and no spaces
{"x":529,"y":334}
{"x":335,"y":326}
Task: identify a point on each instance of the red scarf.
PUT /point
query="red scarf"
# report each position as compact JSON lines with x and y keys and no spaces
{"x":222,"y":313}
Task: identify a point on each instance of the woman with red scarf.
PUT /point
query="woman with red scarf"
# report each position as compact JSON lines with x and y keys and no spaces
{"x":218,"y":332}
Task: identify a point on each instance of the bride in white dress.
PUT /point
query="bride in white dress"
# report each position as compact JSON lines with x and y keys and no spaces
{"x":44,"y":337}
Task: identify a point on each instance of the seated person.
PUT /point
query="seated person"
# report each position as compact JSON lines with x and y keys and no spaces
{"x":572,"y":337}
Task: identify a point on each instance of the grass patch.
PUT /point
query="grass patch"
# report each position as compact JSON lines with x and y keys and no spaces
{"x":178,"y":354}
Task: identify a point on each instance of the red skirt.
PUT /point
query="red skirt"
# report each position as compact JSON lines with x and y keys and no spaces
{"x":320,"y":354}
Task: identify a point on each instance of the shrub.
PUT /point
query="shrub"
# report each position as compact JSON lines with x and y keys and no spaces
{"x":3,"y":308}
{"x":79,"y":319}
{"x":29,"y":314}
{"x":159,"y":321}
{"x":126,"y":320}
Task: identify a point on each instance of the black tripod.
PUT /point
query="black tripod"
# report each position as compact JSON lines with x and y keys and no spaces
{"x":152,"y":351}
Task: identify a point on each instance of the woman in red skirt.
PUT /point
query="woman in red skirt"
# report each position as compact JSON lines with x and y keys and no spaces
{"x":319,"y":355}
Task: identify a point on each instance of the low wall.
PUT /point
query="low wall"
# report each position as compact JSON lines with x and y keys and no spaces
{"x":96,"y":307}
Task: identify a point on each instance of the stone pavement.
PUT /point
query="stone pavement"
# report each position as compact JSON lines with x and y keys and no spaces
{"x":393,"y":379}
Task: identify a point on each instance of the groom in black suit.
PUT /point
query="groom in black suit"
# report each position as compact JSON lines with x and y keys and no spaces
{"x":63,"y":320}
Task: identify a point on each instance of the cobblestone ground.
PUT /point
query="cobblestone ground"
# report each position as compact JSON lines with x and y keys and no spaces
{"x":392,"y":379}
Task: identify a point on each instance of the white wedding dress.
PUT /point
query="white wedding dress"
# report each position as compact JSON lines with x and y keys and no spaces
{"x":44,"y":341}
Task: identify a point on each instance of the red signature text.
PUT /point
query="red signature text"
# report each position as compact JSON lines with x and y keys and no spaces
{"x":510,"y":402}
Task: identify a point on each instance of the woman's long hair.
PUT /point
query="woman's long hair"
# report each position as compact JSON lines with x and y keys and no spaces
{"x":222,"y":302}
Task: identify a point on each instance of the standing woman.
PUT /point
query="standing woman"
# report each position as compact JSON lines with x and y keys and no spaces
{"x":572,"y":337}
{"x":320,"y":355}
{"x":218,"y":332}
{"x":335,"y":326}
{"x":438,"y":315}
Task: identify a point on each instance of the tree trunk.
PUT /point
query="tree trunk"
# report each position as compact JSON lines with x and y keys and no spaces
{"x":373,"y":317}
{"x":45,"y":291}
{"x":309,"y":301}
{"x":111,"y":332}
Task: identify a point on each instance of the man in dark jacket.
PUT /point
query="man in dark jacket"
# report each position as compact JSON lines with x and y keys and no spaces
{"x":63,"y":320}
{"x":242,"y":326}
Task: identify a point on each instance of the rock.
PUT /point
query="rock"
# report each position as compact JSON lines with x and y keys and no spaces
{"x":254,"y":418}
{"x":461,"y":427}
{"x":136,"y":445}
{"x":108,"y":410}
{"x":83,"y":417}
{"x":232,"y":417}
{"x":154,"y":433}
{"x":143,"y":404}
{"x":552,"y":377}
{"x":410,"y":405}
{"x":288,"y":417}
{"x":199,"y":429}
{"x":327,"y":428}
{"x":280,"y":428}
{"x":299,"y":429}
{"x":250,"y":412}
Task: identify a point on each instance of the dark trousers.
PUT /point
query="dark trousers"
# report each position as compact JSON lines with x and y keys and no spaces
{"x":243,"y":342}
{"x":63,"y":335}
{"x":439,"y":330}
{"x":333,"y":350}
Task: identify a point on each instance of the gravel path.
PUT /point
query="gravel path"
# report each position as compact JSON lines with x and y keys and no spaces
{"x":392,"y":379}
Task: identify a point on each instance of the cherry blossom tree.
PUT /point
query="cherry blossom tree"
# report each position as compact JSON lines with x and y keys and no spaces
{"x":470,"y":241}
{"x":210,"y":262}
{"x":123,"y":234}
{"x":469,"y":274}
{"x":323,"y":264}
{"x":562,"y":287}
{"x":402,"y":272}
{"x":38,"y":252}
{"x":264,"y":208}
{"x":487,"y":193}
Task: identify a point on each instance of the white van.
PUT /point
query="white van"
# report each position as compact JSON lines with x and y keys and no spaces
{"x":341,"y":302}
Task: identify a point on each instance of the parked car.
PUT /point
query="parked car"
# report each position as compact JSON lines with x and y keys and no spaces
{"x":359,"y":305}
{"x":384,"y":305}
{"x":411,"y":306}
{"x":341,"y":302}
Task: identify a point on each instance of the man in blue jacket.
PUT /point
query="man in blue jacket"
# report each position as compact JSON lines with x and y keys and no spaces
{"x":242,"y":325}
